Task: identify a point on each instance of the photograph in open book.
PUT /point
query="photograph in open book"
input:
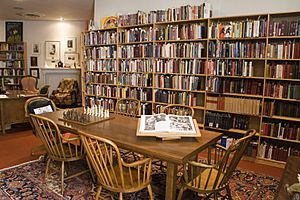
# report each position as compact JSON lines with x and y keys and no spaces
{"x":167,"y":123}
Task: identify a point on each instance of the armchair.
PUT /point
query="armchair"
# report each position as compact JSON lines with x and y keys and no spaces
{"x":211,"y":180}
{"x":29,"y":83}
{"x":66,"y":92}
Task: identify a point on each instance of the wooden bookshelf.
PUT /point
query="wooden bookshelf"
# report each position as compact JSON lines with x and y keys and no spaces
{"x":254,"y":68}
{"x":13,"y":65}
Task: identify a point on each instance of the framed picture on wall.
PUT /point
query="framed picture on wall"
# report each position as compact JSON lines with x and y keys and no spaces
{"x":14,"y":31}
{"x":52,"y":50}
{"x":70,"y":44}
{"x":35,"y":72}
{"x":33,"y":61}
{"x":71,"y":59}
{"x":36,"y":49}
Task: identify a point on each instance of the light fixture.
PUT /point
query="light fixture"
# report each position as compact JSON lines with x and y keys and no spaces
{"x":61,"y":19}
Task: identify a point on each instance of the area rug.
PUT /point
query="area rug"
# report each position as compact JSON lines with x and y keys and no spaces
{"x":26,"y":181}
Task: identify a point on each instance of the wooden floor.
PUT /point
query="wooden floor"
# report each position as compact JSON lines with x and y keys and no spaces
{"x":15,"y":148}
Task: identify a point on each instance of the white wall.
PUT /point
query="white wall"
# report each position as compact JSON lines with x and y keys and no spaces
{"x":219,"y":7}
{"x":41,"y":31}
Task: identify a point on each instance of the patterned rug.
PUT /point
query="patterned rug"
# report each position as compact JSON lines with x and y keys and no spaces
{"x":26,"y":181}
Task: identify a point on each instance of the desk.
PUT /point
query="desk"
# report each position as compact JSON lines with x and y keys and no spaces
{"x":289,"y":176}
{"x":122,"y":131}
{"x":12,"y":108}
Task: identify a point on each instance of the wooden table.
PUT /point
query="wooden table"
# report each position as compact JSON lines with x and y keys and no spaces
{"x":12,"y":108}
{"x":122,"y":131}
{"x":289,"y":176}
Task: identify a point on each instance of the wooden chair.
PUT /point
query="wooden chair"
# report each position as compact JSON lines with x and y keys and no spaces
{"x":127,"y":106}
{"x":212,"y":179}
{"x":178,"y":109}
{"x":30,"y":105}
{"x":113,"y":173}
{"x":29,"y":83}
{"x":58,"y":148}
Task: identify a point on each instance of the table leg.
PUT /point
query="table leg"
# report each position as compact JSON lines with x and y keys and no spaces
{"x":171,"y":181}
{"x":2,"y":118}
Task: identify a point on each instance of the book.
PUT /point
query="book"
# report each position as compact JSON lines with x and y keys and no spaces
{"x":162,"y":123}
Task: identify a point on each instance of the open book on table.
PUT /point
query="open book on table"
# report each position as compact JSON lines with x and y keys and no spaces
{"x":162,"y":125}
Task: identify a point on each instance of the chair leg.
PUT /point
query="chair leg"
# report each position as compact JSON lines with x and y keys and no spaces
{"x":62,"y":176}
{"x":47,"y":168}
{"x":228,"y":192}
{"x":91,"y":169}
{"x":121,"y":196}
{"x":150,"y":192}
{"x":180,"y":193}
{"x":98,"y":192}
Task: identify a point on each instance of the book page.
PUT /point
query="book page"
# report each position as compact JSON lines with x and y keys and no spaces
{"x":41,"y":110}
{"x":181,"y":124}
{"x":148,"y":123}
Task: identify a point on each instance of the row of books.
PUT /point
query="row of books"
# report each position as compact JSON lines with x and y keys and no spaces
{"x":194,"y":66}
{"x":239,"y":29}
{"x":11,"y":47}
{"x":135,"y":35}
{"x":274,"y":152}
{"x":283,"y":71}
{"x":221,"y":85}
{"x":285,"y":27}
{"x":137,"y":65}
{"x":100,"y":38}
{"x":282,"y":90}
{"x":281,"y":109}
{"x":233,"y":104}
{"x":101,"y":90}
{"x":180,"y":32}
{"x":141,"y":94}
{"x":281,"y":130}
{"x":171,"y":14}
{"x":179,"y":50}
{"x":106,"y":78}
{"x":230,"y":68}
{"x":138,"y":80}
{"x":105,"y":103}
{"x":146,"y":109}
{"x":192,"y":83}
{"x":101,"y":65}
{"x":170,"y":97}
{"x":136,"y":51}
{"x":101,"y":52}
{"x":285,"y":50}
{"x":252,"y":149}
{"x":226,"y":121}
{"x":226,"y":49}
{"x":14,"y":55}
{"x":12,"y":72}
{"x":12,"y":64}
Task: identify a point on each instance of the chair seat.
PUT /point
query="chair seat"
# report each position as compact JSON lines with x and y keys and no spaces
{"x":206,"y":179}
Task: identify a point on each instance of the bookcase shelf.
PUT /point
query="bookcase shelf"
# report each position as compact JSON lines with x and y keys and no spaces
{"x":234,"y":52}
{"x":13,"y":65}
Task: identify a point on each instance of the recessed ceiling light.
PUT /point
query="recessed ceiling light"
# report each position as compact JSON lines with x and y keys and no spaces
{"x":61,"y":19}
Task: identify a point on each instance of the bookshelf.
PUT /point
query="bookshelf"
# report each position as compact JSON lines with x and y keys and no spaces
{"x":237,"y":72}
{"x":99,"y":74}
{"x":12,"y":64}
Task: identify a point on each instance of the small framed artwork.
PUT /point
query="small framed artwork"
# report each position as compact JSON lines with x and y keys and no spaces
{"x":34,"y":72}
{"x":71,"y":59}
{"x":33,"y":61}
{"x":52,"y":50}
{"x":14,"y":31}
{"x":71,"y":44}
{"x":36,"y":49}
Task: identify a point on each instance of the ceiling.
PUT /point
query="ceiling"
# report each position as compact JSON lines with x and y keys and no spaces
{"x":46,"y":9}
